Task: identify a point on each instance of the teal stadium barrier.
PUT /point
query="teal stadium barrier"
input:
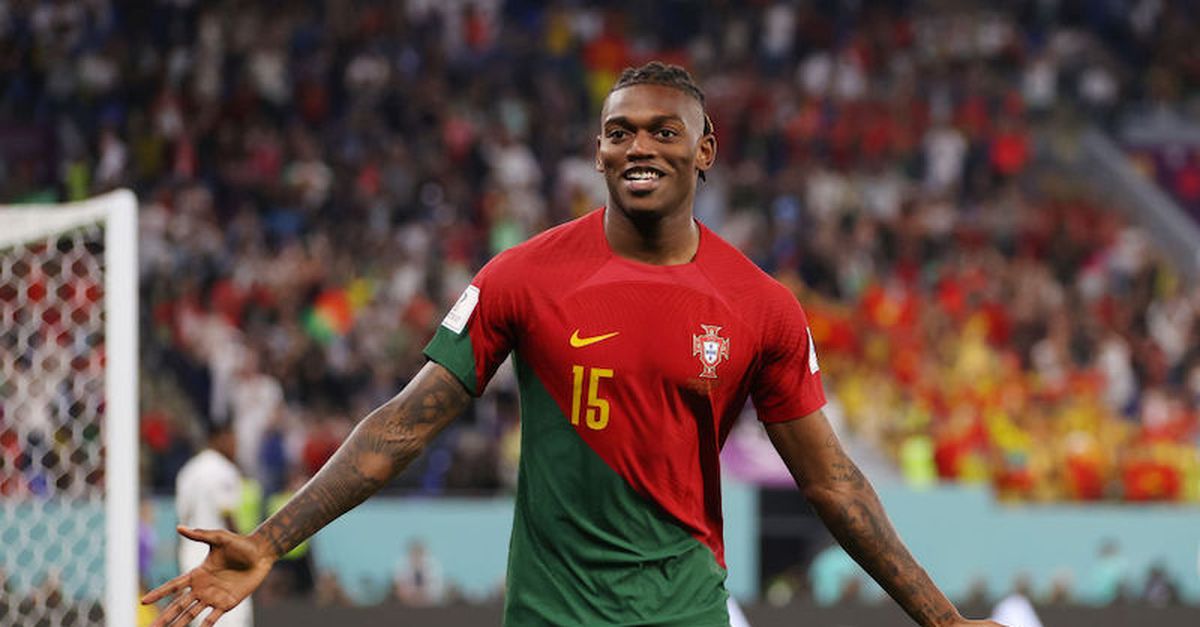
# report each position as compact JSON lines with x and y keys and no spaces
{"x":960,"y":534}
{"x":467,"y":536}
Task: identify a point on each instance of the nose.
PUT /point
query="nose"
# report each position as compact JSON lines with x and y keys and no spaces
{"x":642,"y":146}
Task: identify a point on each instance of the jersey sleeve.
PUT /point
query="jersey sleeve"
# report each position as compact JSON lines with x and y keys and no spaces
{"x":477,"y":333}
{"x":788,"y":383}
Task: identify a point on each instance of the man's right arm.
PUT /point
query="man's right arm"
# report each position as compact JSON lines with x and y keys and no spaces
{"x":382,"y":445}
{"x":378,"y":448}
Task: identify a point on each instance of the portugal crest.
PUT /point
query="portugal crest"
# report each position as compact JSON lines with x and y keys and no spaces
{"x":711,"y":348}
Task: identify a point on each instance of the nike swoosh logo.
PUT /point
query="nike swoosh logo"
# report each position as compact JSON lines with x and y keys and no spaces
{"x":580,"y":342}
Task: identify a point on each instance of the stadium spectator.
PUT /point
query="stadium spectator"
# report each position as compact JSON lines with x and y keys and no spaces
{"x":1161,"y":589}
{"x":210,"y":494}
{"x":418,"y":581}
{"x":1016,"y":608}
{"x":1108,"y":582}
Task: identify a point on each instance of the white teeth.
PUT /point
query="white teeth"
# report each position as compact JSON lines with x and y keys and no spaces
{"x":642,"y":175}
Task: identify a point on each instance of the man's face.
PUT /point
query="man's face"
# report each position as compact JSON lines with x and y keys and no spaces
{"x":650,"y":147}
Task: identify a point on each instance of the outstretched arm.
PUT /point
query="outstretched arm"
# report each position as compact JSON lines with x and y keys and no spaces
{"x":851,"y":510}
{"x":380,"y":446}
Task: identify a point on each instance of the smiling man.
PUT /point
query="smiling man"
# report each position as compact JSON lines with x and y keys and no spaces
{"x":637,"y":335}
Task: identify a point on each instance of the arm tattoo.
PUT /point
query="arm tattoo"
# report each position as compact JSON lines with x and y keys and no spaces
{"x":386,"y":441}
{"x":852,"y":511}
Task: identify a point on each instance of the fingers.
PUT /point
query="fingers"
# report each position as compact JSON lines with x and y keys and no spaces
{"x":213,"y":617}
{"x":171,"y":587}
{"x":192,"y":612}
{"x":211,"y":537}
{"x":158,"y":621}
{"x":162,"y":620}
{"x":185,"y":617}
{"x":177,"y":607}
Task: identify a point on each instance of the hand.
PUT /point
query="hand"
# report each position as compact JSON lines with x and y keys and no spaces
{"x":235,"y":566}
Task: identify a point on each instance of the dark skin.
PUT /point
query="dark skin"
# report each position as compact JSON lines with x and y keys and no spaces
{"x":660,"y":129}
{"x":651,"y":147}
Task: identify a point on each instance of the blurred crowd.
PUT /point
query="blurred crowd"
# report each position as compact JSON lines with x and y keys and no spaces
{"x":320,"y":180}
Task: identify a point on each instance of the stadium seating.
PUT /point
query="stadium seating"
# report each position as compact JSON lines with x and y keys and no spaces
{"x":320,"y":181}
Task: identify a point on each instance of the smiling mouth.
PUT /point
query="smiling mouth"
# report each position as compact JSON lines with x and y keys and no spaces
{"x":642,"y":180}
{"x":642,"y":174}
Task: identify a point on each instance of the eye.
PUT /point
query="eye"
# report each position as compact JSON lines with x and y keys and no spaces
{"x":616,"y":134}
{"x":666,"y":133}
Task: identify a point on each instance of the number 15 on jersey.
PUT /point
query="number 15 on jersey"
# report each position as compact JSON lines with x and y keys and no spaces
{"x":597,"y":409}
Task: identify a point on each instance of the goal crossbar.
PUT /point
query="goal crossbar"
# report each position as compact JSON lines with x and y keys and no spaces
{"x":25,"y":223}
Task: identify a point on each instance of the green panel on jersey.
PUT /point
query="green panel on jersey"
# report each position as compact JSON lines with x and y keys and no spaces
{"x":454,"y":352}
{"x":588,"y":550}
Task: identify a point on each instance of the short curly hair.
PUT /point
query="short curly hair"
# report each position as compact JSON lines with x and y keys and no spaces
{"x":667,"y":75}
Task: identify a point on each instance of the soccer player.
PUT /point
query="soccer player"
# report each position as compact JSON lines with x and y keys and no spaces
{"x":637,"y":336}
{"x":208,"y":492}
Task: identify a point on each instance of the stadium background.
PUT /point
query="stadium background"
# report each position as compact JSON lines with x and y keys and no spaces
{"x":989,"y":211}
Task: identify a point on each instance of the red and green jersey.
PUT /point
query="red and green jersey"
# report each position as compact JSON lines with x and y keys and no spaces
{"x":631,"y":376}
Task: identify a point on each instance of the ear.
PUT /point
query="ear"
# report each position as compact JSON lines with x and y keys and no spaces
{"x":596,"y":155}
{"x":706,"y":154}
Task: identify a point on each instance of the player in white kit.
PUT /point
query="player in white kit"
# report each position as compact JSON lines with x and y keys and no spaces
{"x":208,"y":490}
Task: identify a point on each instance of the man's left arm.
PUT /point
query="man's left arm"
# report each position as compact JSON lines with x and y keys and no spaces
{"x":848,"y":505}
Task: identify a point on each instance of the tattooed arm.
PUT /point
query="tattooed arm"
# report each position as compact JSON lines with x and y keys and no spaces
{"x":848,"y":505}
{"x":379,"y":448}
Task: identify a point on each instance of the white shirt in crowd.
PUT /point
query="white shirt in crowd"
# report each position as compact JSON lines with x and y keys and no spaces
{"x":1015,"y":610}
{"x":255,"y":398}
{"x":207,"y":491}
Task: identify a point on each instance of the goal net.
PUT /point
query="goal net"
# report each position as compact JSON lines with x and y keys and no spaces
{"x":68,"y":413}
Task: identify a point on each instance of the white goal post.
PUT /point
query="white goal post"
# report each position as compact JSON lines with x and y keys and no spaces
{"x":69,"y":412}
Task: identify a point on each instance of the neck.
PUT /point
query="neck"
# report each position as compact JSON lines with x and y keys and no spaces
{"x":222,"y":452}
{"x":661,"y":240}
